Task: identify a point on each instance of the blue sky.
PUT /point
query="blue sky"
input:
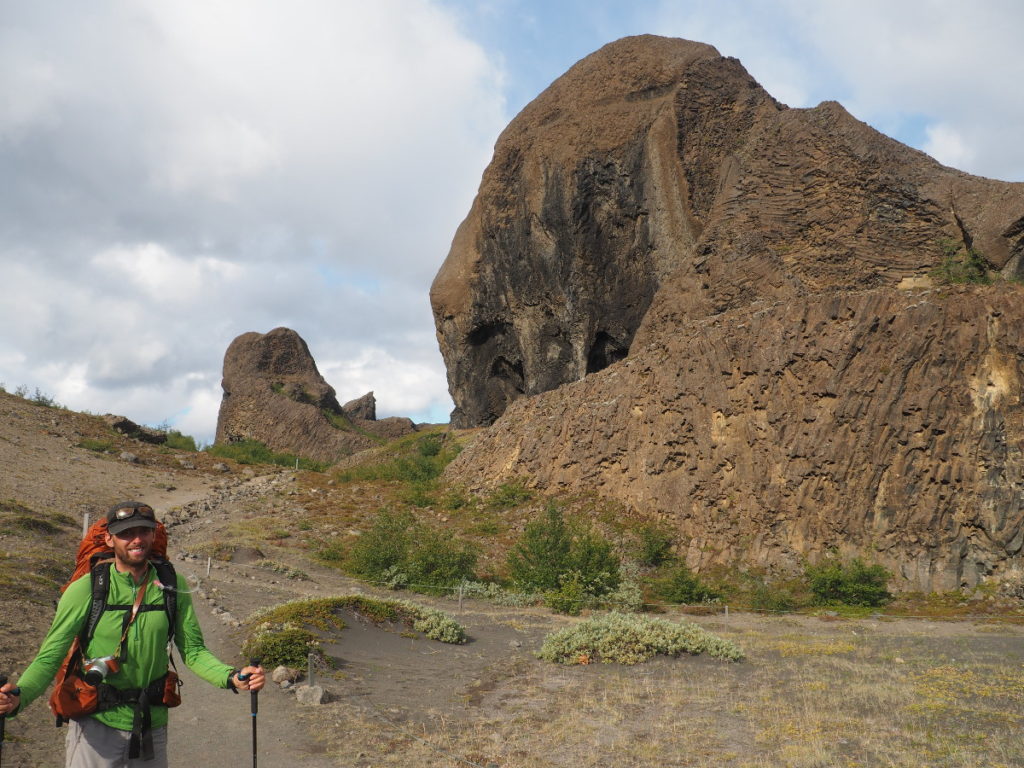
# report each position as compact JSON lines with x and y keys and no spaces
{"x":176,"y":174}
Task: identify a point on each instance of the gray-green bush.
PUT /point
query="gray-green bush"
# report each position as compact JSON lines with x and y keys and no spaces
{"x":630,"y":639}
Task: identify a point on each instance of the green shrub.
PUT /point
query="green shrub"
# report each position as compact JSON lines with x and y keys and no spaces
{"x":383,"y":546}
{"x":853,"y":583}
{"x":420,"y":461}
{"x":288,"y":645}
{"x":41,"y":398}
{"x":655,"y":545}
{"x":571,"y":595}
{"x":434,"y":624}
{"x":255,"y":452}
{"x":455,"y":499}
{"x":960,"y":265}
{"x":542,"y":553}
{"x":436,"y":562}
{"x":286,"y":633}
{"x":592,"y":558}
{"x":417,"y":495}
{"x":765,"y":597}
{"x":489,"y":590}
{"x":630,"y":639}
{"x":331,"y":552}
{"x":509,"y":495}
{"x":628,"y":596}
{"x":429,"y":446}
{"x":179,"y":442}
{"x":401,"y":552}
{"x":568,"y":569}
{"x":90,"y":444}
{"x":681,"y":585}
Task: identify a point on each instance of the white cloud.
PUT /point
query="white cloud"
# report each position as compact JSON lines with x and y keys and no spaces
{"x":407,"y":387}
{"x":166,"y":277}
{"x":948,"y":147}
{"x":28,"y":84}
{"x":176,"y":174}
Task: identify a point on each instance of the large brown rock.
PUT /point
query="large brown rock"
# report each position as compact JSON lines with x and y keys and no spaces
{"x":657,"y":172}
{"x":699,"y":287}
{"x":274,"y":393}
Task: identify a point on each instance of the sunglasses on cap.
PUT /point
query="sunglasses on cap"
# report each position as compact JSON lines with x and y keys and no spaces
{"x":142,"y":510}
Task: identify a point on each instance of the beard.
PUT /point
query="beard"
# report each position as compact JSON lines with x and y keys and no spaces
{"x":132,"y":553}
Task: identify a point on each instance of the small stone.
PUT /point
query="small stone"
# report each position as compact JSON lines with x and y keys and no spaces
{"x":284,"y":674}
{"x":220,"y":466}
{"x":131,"y":458}
{"x":311,"y":694}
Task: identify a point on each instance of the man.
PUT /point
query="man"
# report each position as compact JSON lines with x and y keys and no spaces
{"x":105,"y":739}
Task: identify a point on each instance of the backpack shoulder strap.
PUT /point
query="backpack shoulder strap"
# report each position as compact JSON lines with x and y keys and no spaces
{"x":169,"y":580}
{"x":100,"y":588}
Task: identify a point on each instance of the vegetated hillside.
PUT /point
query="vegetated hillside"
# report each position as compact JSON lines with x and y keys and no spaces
{"x":677,"y":292}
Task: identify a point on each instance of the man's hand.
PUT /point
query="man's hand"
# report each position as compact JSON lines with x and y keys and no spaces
{"x":9,"y":699}
{"x":249,"y":679}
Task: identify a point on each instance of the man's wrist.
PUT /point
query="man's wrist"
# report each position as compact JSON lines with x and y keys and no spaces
{"x":231,"y":680}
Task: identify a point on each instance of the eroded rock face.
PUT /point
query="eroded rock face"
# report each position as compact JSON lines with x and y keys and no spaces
{"x":656,"y":172}
{"x":677,"y":292}
{"x":875,"y":421}
{"x":274,"y":393}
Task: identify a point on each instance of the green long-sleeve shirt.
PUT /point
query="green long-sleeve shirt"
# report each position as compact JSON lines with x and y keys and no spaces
{"x":146,"y":643}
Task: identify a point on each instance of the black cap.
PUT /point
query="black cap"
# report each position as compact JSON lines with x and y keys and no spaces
{"x":130,"y":514}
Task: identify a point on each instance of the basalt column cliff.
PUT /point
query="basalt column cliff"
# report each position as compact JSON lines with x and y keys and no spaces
{"x":678,"y":292}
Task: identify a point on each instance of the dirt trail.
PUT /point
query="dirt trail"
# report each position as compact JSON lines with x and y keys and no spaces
{"x":214,"y":727}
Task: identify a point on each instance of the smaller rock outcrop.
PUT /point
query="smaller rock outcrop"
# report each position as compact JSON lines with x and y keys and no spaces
{"x":364,"y":407}
{"x":274,"y":393}
{"x":130,"y":429}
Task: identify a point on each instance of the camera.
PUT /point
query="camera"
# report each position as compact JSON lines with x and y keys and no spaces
{"x":95,"y":670}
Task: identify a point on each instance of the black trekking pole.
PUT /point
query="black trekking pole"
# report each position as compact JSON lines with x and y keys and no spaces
{"x":3,"y":718}
{"x":254,"y":701}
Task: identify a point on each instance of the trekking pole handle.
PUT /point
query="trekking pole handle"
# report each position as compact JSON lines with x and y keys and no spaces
{"x":252,"y":694}
{"x":247,"y":675}
{"x":16,"y":691}
{"x":3,"y":718}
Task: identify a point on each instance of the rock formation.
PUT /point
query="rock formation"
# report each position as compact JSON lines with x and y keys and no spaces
{"x":364,"y":407}
{"x":274,"y":393}
{"x":701,"y":289}
{"x":657,"y":171}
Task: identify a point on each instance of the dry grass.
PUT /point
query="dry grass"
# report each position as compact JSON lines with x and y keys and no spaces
{"x":851,"y":694}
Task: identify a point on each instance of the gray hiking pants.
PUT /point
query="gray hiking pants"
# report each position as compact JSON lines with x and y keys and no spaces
{"x":91,"y":744}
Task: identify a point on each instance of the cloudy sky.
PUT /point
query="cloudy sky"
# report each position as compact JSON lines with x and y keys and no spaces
{"x":173,"y":174}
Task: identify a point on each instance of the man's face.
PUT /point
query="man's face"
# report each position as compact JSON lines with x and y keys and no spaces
{"x":132,"y":547}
